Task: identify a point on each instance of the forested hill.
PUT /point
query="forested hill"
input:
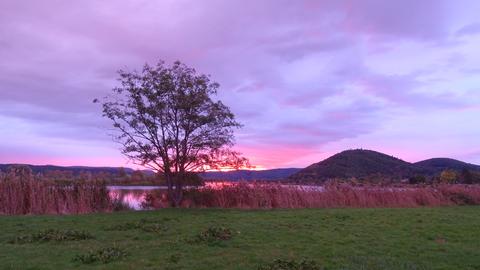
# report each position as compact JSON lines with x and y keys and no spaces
{"x":73,"y":169}
{"x":361,"y":163}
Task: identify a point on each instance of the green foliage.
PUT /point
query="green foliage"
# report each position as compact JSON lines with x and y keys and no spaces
{"x":52,"y":235}
{"x":104,"y":255}
{"x":448,"y":176}
{"x":280,"y":264}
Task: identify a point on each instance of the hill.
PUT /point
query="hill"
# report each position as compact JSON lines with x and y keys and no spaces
{"x":360,"y":164}
{"x":74,"y":169}
{"x":248,"y":175}
{"x":436,"y":165}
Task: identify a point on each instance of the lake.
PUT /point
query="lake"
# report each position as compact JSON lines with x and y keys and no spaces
{"x":134,"y":196}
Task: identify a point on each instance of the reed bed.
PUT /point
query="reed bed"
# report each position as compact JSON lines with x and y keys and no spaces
{"x":269,"y":196}
{"x":22,"y":196}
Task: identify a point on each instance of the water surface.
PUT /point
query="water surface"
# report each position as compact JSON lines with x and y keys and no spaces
{"x":132,"y":196}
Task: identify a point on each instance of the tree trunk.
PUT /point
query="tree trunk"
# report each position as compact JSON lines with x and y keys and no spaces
{"x":175,"y":188}
{"x":178,"y":196}
{"x":179,"y":188}
{"x":170,"y":190}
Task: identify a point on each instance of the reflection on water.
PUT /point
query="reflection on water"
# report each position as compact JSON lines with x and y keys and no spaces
{"x":133,"y":196}
{"x":222,"y":184}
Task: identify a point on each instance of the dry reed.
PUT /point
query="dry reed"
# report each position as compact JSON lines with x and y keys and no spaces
{"x":268,"y":196}
{"x":30,"y":195}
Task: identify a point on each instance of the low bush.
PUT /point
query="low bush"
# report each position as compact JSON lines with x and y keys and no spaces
{"x":52,"y":235}
{"x":104,"y":255}
{"x":281,"y":264}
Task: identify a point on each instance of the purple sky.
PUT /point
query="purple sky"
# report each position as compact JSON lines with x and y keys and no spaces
{"x":306,"y":78}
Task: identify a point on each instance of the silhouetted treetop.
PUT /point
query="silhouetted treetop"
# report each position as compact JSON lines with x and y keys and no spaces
{"x":167,"y":120}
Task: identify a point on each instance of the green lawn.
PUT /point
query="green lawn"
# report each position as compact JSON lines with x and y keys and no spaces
{"x":422,"y":238}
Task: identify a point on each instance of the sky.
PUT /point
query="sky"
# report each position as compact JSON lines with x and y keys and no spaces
{"x":307,"y":79}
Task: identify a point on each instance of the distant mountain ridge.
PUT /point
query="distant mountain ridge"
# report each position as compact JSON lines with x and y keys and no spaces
{"x":360,"y":163}
{"x":249,"y":175}
{"x":240,"y":175}
{"x":74,"y":169}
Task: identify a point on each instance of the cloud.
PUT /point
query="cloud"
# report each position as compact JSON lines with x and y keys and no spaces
{"x":394,"y":20}
{"x":470,"y":29}
{"x":301,"y":76}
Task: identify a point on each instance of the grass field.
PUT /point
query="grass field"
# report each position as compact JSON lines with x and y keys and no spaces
{"x":420,"y":238}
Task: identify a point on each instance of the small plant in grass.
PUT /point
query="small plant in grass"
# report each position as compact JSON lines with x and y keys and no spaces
{"x":52,"y":235}
{"x":144,"y":225}
{"x":214,"y":235}
{"x":154,"y":227}
{"x":104,"y":255}
{"x":174,"y":258}
{"x":281,"y":264}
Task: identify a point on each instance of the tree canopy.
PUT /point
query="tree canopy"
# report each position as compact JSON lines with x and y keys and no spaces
{"x":166,"y":119}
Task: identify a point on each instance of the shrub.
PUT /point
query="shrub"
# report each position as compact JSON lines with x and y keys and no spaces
{"x":417,"y":179}
{"x":52,"y":235}
{"x":280,"y":264}
{"x":104,"y":255}
{"x":448,"y":176}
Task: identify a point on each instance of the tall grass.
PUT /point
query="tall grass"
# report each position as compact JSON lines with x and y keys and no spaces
{"x":20,"y":195}
{"x":254,"y":196}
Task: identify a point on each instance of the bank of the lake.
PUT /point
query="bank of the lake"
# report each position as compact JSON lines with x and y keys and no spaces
{"x":420,"y":238}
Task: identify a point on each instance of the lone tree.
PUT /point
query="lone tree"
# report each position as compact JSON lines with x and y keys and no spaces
{"x":167,"y":120}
